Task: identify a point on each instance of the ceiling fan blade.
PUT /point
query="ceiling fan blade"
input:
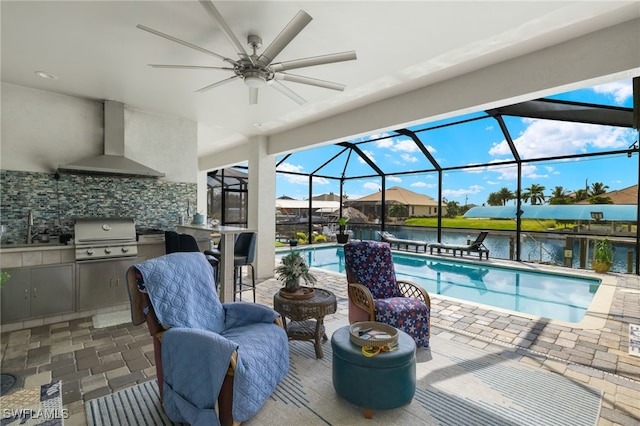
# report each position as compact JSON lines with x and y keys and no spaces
{"x":311,"y":81}
{"x":190,"y":67}
{"x":281,"y":41}
{"x":213,"y":12}
{"x":253,"y":95}
{"x":288,"y":92}
{"x":219,"y":83}
{"x":184,"y":43}
{"x":314,"y":60}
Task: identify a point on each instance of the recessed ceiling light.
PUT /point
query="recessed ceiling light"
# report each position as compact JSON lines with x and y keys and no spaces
{"x":46,"y":75}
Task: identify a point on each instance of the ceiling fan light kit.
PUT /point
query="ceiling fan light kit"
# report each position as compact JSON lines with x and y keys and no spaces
{"x":259,"y":70}
{"x":254,"y":80}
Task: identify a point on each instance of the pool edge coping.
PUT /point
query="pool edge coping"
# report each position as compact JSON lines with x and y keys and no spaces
{"x":594,"y":318}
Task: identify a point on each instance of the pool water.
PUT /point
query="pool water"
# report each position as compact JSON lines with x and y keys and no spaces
{"x":548,"y":295}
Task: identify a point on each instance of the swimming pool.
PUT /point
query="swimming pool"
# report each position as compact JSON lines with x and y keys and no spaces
{"x":544,"y":294}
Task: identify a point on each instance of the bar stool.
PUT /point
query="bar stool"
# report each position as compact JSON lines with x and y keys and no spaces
{"x":176,"y":243}
{"x":244,"y":253}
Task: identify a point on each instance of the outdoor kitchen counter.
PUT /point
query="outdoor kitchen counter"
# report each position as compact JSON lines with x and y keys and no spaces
{"x":21,"y":255}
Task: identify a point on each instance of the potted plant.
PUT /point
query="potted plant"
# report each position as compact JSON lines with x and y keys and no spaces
{"x":342,"y":236}
{"x":293,"y":241}
{"x":603,"y":256}
{"x":291,"y":270}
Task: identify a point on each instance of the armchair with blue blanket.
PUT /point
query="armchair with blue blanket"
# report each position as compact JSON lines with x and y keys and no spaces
{"x":206,"y":351}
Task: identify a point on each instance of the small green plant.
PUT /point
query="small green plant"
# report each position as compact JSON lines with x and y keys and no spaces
{"x":4,"y":277}
{"x":603,"y":256}
{"x":342,"y":223}
{"x":319,"y":239}
{"x":302,"y":238}
{"x":292,"y":268}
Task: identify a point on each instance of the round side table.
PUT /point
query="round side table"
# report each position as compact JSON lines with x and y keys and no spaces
{"x":306,"y":316}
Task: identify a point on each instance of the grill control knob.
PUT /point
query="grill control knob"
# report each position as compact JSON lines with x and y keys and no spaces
{"x":90,"y":252}
{"x":107,"y":250}
{"x":125,"y":249}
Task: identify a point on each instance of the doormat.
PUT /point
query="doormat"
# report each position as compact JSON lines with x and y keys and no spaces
{"x":40,"y":405}
{"x":8,"y":381}
{"x":139,"y":404}
{"x":634,"y":340}
{"x":110,"y":319}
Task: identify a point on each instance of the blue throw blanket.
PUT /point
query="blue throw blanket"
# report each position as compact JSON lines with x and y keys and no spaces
{"x":203,"y":335}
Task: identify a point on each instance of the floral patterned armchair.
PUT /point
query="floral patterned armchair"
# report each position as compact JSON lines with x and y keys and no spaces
{"x":376,"y":295}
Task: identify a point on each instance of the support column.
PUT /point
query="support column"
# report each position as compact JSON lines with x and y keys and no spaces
{"x":262,"y":204}
{"x":202,"y":194}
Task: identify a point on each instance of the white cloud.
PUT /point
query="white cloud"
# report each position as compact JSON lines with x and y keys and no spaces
{"x":369,"y":154}
{"x":476,"y":170}
{"x":373,"y":186}
{"x":537,"y":176}
{"x":298,"y":179}
{"x":397,"y":145}
{"x":393,"y":179}
{"x":545,"y":138}
{"x":384,"y":143}
{"x":421,"y":184}
{"x":510,"y":171}
{"x":405,"y":145}
{"x":288,"y":167}
{"x":408,"y":158}
{"x":620,"y":90}
{"x":456,"y":193}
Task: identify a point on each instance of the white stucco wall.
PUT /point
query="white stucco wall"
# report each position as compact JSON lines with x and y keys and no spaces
{"x":41,"y":130}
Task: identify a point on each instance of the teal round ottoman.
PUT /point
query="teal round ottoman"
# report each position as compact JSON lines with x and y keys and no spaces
{"x":382,"y":382}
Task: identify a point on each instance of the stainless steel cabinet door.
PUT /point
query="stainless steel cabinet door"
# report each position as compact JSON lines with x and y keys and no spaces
{"x":103,"y":283}
{"x":95,"y":284}
{"x":52,"y":290}
{"x":16,"y":298}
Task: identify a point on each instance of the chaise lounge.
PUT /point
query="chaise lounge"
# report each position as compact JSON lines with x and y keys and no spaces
{"x":401,"y":243}
{"x":476,"y":246}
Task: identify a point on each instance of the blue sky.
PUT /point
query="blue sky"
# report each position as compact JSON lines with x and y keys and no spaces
{"x":480,"y":142}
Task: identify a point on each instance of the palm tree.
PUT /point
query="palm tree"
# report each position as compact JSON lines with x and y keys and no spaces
{"x":598,"y":188}
{"x":505,"y":194}
{"x":535,"y":193}
{"x":599,"y":199}
{"x":494,"y":199}
{"x":398,"y":210}
{"x":453,"y":208}
{"x":559,"y":196}
{"x":581,"y":194}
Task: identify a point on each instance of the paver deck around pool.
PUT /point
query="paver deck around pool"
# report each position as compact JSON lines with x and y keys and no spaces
{"x":94,"y":362}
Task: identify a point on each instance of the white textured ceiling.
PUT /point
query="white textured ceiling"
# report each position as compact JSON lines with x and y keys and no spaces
{"x":98,"y":53}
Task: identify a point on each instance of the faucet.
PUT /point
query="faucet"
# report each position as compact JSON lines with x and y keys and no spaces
{"x":30,"y":228}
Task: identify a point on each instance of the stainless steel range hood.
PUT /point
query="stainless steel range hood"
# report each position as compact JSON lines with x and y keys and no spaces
{"x":113,"y":161}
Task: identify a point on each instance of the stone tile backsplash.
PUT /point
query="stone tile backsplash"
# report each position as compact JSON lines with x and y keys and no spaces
{"x":55,"y":203}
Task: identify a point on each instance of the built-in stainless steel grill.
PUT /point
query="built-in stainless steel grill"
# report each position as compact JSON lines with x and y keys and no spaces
{"x":105,"y":238}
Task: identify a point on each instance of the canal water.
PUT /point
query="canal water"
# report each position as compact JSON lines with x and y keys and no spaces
{"x":534,"y":247}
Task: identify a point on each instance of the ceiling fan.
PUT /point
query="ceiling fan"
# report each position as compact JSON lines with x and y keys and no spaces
{"x":259,"y":70}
